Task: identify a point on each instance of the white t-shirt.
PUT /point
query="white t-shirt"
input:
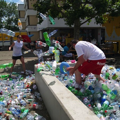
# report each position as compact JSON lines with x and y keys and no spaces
{"x":17,"y":48}
{"x":89,"y":51}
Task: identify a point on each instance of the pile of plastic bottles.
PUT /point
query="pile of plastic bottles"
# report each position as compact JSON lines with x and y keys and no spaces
{"x":18,"y":99}
{"x":101,"y":97}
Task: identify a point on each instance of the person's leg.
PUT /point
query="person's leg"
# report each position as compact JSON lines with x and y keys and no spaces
{"x":14,"y":61}
{"x":23,"y":63}
{"x":78,"y":77}
{"x":100,"y":78}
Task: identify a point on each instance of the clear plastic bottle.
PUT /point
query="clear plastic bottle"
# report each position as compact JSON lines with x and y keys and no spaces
{"x":52,"y":33}
{"x":57,"y":53}
{"x":43,"y":16}
{"x":14,"y":112}
{"x":41,"y":43}
{"x":36,"y":106}
{"x":57,"y":45}
{"x":10,"y":33}
{"x":38,"y":117}
{"x":30,"y":117}
{"x":22,"y":102}
{"x":11,"y":117}
{"x":27,"y":51}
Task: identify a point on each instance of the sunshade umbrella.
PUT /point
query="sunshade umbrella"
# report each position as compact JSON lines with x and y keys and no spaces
{"x":26,"y":38}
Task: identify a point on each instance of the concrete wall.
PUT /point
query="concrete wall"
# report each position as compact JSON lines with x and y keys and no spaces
{"x":22,"y":14}
{"x":59,"y":101}
{"x":21,"y":7}
{"x":23,"y":25}
{"x":33,"y":20}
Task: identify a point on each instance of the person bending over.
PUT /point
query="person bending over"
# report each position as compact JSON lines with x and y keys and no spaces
{"x":90,"y":60}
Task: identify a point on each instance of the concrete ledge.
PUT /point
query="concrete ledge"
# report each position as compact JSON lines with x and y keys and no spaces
{"x":59,"y":101}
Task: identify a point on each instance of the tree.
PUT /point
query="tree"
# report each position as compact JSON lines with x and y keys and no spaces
{"x":78,"y":12}
{"x":8,"y":15}
{"x":12,"y":17}
{"x":3,"y":5}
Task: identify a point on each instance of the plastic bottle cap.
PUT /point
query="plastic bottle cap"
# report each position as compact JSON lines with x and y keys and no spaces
{"x":34,"y":105}
{"x":105,"y":111}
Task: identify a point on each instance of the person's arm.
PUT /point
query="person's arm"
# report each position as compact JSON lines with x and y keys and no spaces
{"x":25,"y":47}
{"x":11,"y":46}
{"x":79,"y":62}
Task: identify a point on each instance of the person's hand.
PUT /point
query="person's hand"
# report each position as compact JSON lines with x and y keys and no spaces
{"x":31,"y":50}
{"x":71,"y":70}
{"x":9,"y":48}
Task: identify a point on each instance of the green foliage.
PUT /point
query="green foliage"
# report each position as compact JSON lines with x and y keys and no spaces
{"x":8,"y":15}
{"x":82,"y":10}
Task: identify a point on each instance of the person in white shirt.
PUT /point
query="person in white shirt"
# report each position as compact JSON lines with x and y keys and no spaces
{"x":90,"y":60}
{"x":17,"y":52}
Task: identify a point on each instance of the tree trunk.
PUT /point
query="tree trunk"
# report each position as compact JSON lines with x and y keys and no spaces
{"x":77,"y":29}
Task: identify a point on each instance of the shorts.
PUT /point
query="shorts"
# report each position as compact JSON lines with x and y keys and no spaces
{"x":68,"y":55}
{"x":92,"y":66}
{"x":16,"y":57}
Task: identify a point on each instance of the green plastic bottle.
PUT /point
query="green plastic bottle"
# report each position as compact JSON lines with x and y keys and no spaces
{"x":39,"y":69}
{"x":4,"y":76}
{"x":22,"y":109}
{"x":47,"y":39}
{"x":24,"y":113}
{"x":105,"y":105}
{"x":105,"y":87}
{"x":107,"y":75}
{"x":57,"y":71}
{"x":51,"y":20}
{"x":114,"y":77}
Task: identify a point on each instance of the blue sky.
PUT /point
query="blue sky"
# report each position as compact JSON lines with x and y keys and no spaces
{"x":16,"y":1}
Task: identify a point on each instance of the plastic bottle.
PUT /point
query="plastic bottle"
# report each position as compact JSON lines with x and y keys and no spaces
{"x":43,"y":16}
{"x":19,"y":24}
{"x":35,"y":52}
{"x":10,"y":33}
{"x":105,"y":105}
{"x":38,"y":117}
{"x":27,"y":51}
{"x":54,"y":65}
{"x":47,"y":39}
{"x":52,"y":33}
{"x":41,"y":43}
{"x":86,"y":101}
{"x":36,"y":106}
{"x":11,"y":117}
{"x":57,"y":71}
{"x":22,"y":102}
{"x":24,"y":113}
{"x":14,"y":112}
{"x":3,"y":30}
{"x":57,"y":45}
{"x":30,"y":117}
{"x":57,"y":53}
{"x":51,"y":20}
{"x":39,"y":69}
